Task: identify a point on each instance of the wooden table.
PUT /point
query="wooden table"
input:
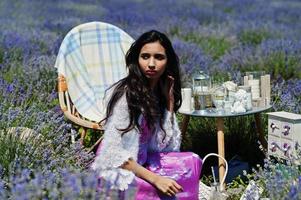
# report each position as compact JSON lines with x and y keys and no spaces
{"x":220,"y":115}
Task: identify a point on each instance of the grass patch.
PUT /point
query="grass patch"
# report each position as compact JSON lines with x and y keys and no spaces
{"x":253,"y":37}
{"x":285,"y":65}
{"x":211,"y":45}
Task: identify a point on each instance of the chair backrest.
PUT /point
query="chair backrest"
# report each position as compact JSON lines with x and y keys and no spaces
{"x":91,"y":58}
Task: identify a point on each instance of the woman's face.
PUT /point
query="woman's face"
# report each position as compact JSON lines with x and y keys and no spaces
{"x":152,"y":61}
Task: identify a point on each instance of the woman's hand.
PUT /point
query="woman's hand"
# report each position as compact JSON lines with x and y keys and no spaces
{"x":169,"y":95}
{"x":167,"y":186}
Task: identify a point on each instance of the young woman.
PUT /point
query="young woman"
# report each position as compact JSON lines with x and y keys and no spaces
{"x":142,"y":138}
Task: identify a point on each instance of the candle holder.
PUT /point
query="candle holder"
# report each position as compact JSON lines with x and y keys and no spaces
{"x":260,"y":87}
{"x":186,"y":100}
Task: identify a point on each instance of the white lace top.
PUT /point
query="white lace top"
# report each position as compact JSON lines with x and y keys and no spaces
{"x":117,"y":149}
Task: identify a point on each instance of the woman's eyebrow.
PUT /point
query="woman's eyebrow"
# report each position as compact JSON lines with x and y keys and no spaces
{"x":160,"y":55}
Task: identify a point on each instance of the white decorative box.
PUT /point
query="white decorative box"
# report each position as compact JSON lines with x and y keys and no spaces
{"x":284,"y":134}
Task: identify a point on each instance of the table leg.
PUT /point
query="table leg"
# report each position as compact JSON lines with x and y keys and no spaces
{"x":221,"y":146}
{"x":184,"y":125}
{"x":260,"y":130}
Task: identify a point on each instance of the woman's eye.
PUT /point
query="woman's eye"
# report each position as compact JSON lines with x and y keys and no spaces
{"x":144,"y":56}
{"x":160,"y":56}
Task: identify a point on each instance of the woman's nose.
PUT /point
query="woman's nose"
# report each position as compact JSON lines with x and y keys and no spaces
{"x":151,"y":64}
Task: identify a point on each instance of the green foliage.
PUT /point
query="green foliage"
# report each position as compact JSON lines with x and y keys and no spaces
{"x":18,"y":145}
{"x":1,"y":55}
{"x":285,"y":65}
{"x":228,"y":10}
{"x":253,"y":37}
{"x":236,"y":188}
{"x":277,"y":62}
{"x":215,"y":46}
{"x":15,"y":54}
{"x":91,"y":137}
{"x":12,"y":73}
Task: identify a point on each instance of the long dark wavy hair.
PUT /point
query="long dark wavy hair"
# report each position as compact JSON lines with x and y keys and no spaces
{"x":139,"y":96}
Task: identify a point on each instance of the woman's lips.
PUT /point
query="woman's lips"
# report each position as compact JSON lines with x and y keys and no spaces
{"x":150,"y":72}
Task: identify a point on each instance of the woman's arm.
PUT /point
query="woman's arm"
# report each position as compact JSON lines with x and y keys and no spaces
{"x":165,"y":185}
{"x":116,"y":161}
{"x":117,"y":149}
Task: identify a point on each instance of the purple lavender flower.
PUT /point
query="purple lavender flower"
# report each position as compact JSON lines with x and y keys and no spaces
{"x":217,"y":36}
{"x":10,"y":88}
{"x":293,"y":193}
{"x":192,"y":58}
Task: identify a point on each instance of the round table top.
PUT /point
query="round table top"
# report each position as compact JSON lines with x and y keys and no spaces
{"x":212,"y":112}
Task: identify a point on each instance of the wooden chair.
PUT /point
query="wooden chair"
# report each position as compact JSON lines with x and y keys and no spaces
{"x":91,"y":58}
{"x":72,"y":114}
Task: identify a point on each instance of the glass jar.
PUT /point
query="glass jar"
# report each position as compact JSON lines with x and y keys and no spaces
{"x":218,"y":97}
{"x":201,"y":84}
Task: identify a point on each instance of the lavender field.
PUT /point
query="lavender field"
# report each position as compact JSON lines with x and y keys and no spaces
{"x":223,"y":38}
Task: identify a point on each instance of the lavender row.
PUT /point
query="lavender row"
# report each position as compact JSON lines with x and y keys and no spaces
{"x":215,"y":36}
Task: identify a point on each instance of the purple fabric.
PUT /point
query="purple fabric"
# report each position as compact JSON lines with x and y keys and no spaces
{"x":183,"y":167}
